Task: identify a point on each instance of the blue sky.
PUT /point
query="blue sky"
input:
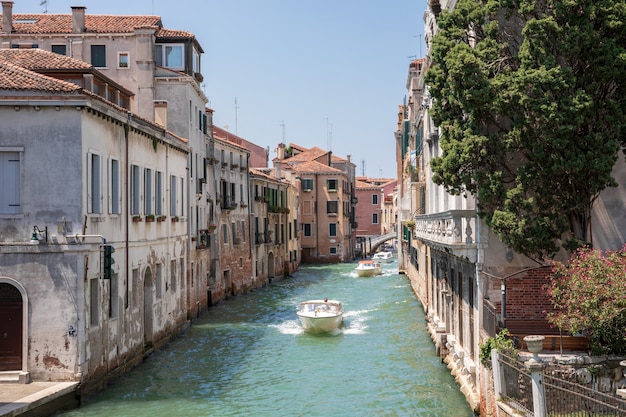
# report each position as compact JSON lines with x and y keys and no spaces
{"x":327,"y":73}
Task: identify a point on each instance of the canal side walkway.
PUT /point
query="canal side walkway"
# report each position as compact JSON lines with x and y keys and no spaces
{"x":36,"y":398}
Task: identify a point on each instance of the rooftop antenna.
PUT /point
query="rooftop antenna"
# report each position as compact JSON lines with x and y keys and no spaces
{"x":362,"y":167}
{"x":282,"y":124}
{"x":45,"y":4}
{"x":329,"y":128}
{"x":236,"y":108}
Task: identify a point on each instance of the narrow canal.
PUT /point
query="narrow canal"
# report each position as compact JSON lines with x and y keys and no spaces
{"x":248,"y":356}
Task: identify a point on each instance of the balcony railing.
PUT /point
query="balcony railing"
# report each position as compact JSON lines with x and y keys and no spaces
{"x":453,"y":227}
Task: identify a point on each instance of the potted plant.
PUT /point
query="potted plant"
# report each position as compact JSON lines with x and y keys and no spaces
{"x":136,"y":218}
{"x":149,"y":218}
{"x":211,"y":227}
{"x":174,"y":219}
{"x":161,"y":218}
{"x":410,"y":224}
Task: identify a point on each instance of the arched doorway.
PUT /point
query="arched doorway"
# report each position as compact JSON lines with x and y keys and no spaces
{"x":11,"y":328}
{"x":148,"y":308}
{"x":270,"y":266}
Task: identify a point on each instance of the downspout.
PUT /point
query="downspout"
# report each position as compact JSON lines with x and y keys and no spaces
{"x":126,"y":225}
{"x":317,"y":223}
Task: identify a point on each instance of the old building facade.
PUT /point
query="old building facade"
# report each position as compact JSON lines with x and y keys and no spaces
{"x":92,"y":265}
{"x":470,"y":284}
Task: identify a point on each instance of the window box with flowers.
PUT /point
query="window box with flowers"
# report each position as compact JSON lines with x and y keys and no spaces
{"x":161,"y":218}
{"x":175,"y":219}
{"x":224,"y":164}
{"x":211,"y":228}
{"x":150,"y":218}
{"x":243,"y":204}
{"x":136,"y":218}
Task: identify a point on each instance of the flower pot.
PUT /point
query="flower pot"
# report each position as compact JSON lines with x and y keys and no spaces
{"x":534,"y":345}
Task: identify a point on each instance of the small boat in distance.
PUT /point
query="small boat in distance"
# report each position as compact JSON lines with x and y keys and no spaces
{"x":320,"y":315}
{"x":369,"y":268}
{"x":385,"y":257}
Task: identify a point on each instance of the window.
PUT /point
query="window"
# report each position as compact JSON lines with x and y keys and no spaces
{"x":331,"y":185}
{"x":115,"y":186}
{"x":123,"y":60}
{"x":113,"y":296}
{"x":182,"y":197}
{"x":94,"y":317}
{"x":59,"y":49}
{"x":375,"y":199}
{"x":158,"y":194}
{"x":243,"y":231}
{"x":333,"y":250}
{"x":196,"y":61}
{"x":332,"y":229}
{"x":135,"y":190}
{"x":173,"y":275}
{"x":98,"y":56}
{"x":233,"y":232}
{"x":147,"y":183}
{"x":332,"y":207}
{"x":135,"y":288}
{"x":307,"y":229}
{"x":307,"y":184}
{"x":159,"y":280}
{"x":10,"y":181}
{"x":225,"y":233}
{"x":374,"y":218}
{"x":172,"y":195}
{"x":169,"y":55}
{"x":95,"y":192}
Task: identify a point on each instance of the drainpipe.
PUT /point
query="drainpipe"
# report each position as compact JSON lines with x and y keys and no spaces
{"x":127,"y":209}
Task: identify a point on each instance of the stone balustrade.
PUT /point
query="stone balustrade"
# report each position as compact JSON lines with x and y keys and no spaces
{"x":452,"y":227}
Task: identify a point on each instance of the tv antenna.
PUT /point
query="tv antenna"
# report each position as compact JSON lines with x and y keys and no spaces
{"x":282,"y":124}
{"x":45,"y":4}
{"x":236,"y":108}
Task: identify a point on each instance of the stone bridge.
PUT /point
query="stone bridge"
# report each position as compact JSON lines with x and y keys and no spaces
{"x":372,"y":243}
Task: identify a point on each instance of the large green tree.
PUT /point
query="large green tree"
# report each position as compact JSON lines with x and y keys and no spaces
{"x":530,"y":98}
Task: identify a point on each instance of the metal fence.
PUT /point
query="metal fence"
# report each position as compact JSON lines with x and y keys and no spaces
{"x":568,"y":398}
{"x":562,"y":397}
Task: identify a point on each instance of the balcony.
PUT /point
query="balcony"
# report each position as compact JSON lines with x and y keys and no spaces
{"x":455,"y":229}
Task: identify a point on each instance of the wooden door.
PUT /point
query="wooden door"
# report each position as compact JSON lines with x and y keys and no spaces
{"x":10,"y":328}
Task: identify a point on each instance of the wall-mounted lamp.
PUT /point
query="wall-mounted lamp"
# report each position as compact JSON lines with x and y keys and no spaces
{"x":37,"y":233}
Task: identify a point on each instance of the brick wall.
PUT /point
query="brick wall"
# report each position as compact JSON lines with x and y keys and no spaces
{"x":525,"y":296}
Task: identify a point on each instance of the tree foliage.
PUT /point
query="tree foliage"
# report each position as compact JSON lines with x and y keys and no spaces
{"x":530,"y":98}
{"x":589,"y":295}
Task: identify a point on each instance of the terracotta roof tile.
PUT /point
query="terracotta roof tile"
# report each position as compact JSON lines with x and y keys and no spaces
{"x":308,"y":155}
{"x":38,"y":59}
{"x":62,"y":23}
{"x":13,"y":77}
{"x":314,"y":167}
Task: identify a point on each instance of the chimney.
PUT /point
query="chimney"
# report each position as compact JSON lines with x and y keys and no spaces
{"x":281,"y":151}
{"x":7,"y":16}
{"x":78,"y":19}
{"x":160,"y":113}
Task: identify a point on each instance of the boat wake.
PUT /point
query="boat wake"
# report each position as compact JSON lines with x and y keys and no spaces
{"x":354,"y":322}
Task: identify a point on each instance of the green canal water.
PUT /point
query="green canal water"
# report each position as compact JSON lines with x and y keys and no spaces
{"x":248,"y":356}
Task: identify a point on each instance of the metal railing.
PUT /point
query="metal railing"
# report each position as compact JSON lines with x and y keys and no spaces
{"x":561,"y":394}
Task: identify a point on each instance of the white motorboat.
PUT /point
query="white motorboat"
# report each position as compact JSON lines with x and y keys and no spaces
{"x":369,"y":268}
{"x":385,"y":257}
{"x":320,"y":315}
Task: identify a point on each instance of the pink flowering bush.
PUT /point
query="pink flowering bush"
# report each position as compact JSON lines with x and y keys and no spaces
{"x":589,"y":297}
